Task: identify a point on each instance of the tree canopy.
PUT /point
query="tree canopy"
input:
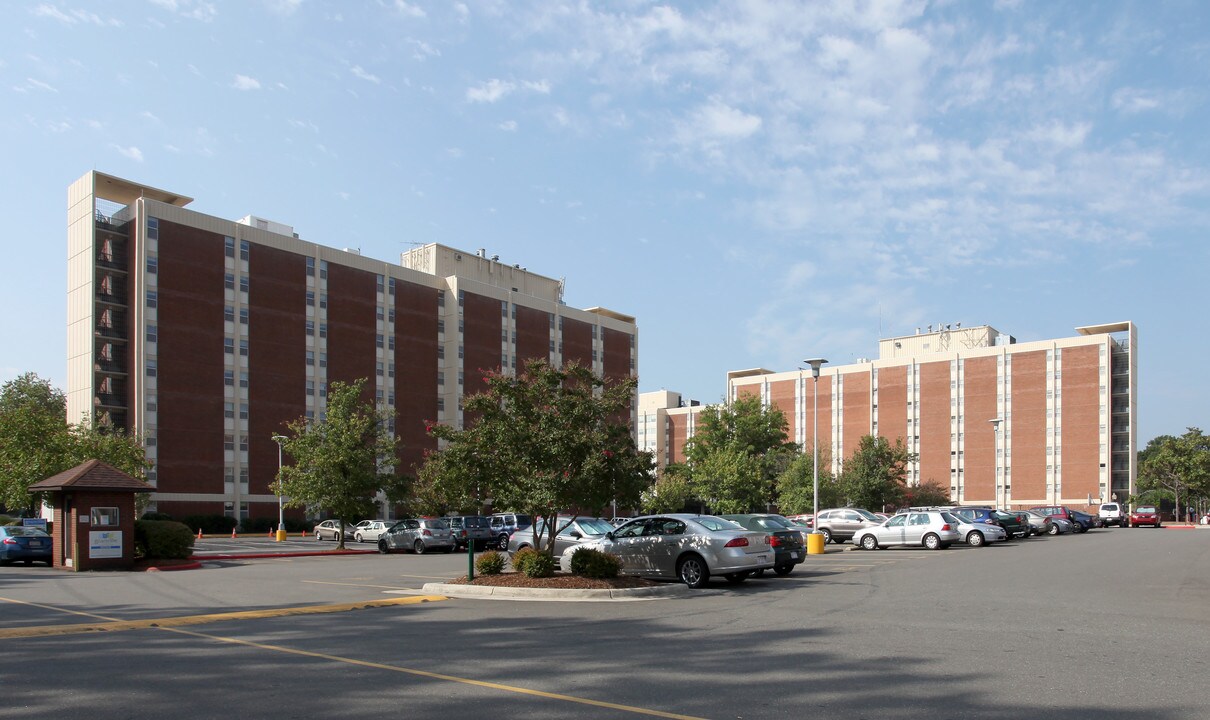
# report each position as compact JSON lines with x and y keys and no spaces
{"x":737,"y":453}
{"x":542,"y":442}
{"x":875,"y":476}
{"x":36,"y":441}
{"x":342,"y":461}
{"x":796,"y":486}
{"x":1177,"y":468}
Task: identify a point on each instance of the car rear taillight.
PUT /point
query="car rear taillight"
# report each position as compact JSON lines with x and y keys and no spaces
{"x":428,"y":533}
{"x":463,"y":533}
{"x":945,"y":527}
{"x":774,"y":541}
{"x":737,"y":542}
{"x":9,"y":541}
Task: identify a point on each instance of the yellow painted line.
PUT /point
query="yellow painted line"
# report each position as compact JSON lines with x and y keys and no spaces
{"x":438,"y":676}
{"x":173,"y":622}
{"x":58,"y":609}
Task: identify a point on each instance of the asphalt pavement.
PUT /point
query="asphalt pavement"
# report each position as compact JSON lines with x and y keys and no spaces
{"x":1110,"y":624}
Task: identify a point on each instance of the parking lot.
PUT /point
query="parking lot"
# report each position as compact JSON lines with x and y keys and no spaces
{"x":1109,"y":624}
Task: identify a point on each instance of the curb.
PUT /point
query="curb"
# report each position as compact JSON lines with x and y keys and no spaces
{"x":489,"y":592}
{"x":166,"y":568}
{"x":307,"y":553}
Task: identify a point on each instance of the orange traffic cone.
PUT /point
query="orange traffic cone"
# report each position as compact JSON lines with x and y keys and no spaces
{"x":271,"y":533}
{"x":232,"y":533}
{"x":199,"y":533}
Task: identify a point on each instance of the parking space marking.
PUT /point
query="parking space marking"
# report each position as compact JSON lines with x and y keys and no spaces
{"x":115,"y":625}
{"x":438,"y":676}
{"x":355,"y":584}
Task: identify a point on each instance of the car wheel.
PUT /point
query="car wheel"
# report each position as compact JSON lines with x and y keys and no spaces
{"x":357,"y":537}
{"x":869,"y":542}
{"x":336,"y":537}
{"x":383,"y":547}
{"x":784,"y":570}
{"x":827,"y":535}
{"x":974,"y":539}
{"x":418,"y":547}
{"x":502,"y":541}
{"x":1054,"y":530}
{"x":317,"y":537}
{"x":692,"y":571}
{"x":736,"y":578}
{"x":932,"y":542}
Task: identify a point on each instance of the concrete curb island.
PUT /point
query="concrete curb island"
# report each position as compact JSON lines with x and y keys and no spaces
{"x":489,"y":592}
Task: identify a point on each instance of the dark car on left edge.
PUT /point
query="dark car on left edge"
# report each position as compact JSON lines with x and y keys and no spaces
{"x":28,"y":544}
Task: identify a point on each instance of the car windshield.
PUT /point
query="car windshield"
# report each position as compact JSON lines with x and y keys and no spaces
{"x":716,"y":523}
{"x":1146,"y":509}
{"x":867,"y":515}
{"x":595,"y":526}
{"x":475,"y":522}
{"x":24,"y":531}
{"x":950,"y":517}
{"x":768,"y":523}
{"x":524,"y":521}
{"x":437,"y":524}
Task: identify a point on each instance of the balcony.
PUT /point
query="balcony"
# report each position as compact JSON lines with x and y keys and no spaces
{"x":109,"y":367}
{"x":110,"y":401}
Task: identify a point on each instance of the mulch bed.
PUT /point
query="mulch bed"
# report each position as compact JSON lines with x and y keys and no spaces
{"x":559,"y":581}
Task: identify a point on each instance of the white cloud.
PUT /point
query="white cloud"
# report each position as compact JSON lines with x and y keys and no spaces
{"x":243,"y":82}
{"x":72,"y":17}
{"x":490,"y":91}
{"x":285,"y":7}
{"x":408,"y":10}
{"x":508,"y":126}
{"x":201,"y":10}
{"x":149,"y":116}
{"x":1134,"y":100}
{"x":132,"y":152}
{"x":38,"y":84}
{"x":541,"y":87}
{"x":358,"y":71}
{"x":1059,"y":135}
{"x":423,"y":51}
{"x":454,"y":152}
{"x":463,"y":12}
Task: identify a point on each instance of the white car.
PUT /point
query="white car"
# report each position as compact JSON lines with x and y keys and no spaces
{"x":929,"y":528}
{"x":369,"y":530}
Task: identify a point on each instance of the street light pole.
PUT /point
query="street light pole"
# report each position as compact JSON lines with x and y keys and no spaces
{"x":996,"y":461}
{"x":815,"y":364}
{"x":281,"y":512}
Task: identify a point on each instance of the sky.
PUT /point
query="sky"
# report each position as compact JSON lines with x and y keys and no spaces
{"x":755,"y":182}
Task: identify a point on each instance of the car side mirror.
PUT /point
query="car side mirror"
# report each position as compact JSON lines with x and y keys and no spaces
{"x":609,"y":535}
{"x":574,"y":534}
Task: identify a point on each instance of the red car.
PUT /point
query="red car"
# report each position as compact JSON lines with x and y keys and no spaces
{"x":1145,"y":515}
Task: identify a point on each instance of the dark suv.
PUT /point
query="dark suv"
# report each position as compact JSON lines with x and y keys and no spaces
{"x":841,"y":524}
{"x":471,"y":529}
{"x":503,"y":525}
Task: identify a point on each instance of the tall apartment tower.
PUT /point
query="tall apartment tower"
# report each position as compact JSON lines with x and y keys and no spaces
{"x":207,"y":335}
{"x":1067,"y":410}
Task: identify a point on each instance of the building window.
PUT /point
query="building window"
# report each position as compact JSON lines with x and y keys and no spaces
{"x":229,"y":247}
{"x":243,"y":249}
{"x":323,"y":300}
{"x":460,"y":352}
{"x":243,"y":411}
{"x":243,"y":283}
{"x":378,"y":340}
{"x":390,"y":369}
{"x":391,"y":397}
{"x":323,"y":269}
{"x":229,"y":378}
{"x":440,"y":326}
{"x":311,"y":267}
{"x":229,"y":281}
{"x":440,"y":377}
{"x":229,"y":442}
{"x":243,"y":480}
{"x":323,"y":359}
{"x":229,"y":346}
{"x":323,"y":389}
{"x":310,"y":298}
{"x":243,"y":316}
{"x":378,"y":369}
{"x":151,"y":407}
{"x":391,"y":285}
{"x":461,"y":298}
{"x":391,"y":315}
{"x":381,"y":284}
{"x":243,"y":443}
{"x":310,"y":387}
{"x":440,"y":352}
{"x":228,"y":313}
{"x":153,"y":228}
{"x":243,"y":347}
{"x":229,"y":410}
{"x":151,"y":368}
{"x":310,"y":327}
{"x":243,"y":379}
{"x":440,"y":404}
{"x":391,"y":343}
{"x":310,"y":357}
{"x":323,"y":330}
{"x":380,"y":313}
{"x":152,"y":298}
{"x":440,"y":298}
{"x":503,"y":308}
{"x":152,"y":334}
{"x":153,"y":266}
{"x":461,"y":377}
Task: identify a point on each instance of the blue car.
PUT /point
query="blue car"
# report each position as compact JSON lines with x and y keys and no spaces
{"x":24,"y":543}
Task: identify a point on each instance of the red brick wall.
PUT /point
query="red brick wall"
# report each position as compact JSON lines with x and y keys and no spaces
{"x":781,"y":396}
{"x":533,"y":335}
{"x":980,"y":406}
{"x":856,"y":398}
{"x":616,"y":348}
{"x":892,"y":403}
{"x":481,"y":341}
{"x":415,"y":371}
{"x":352,"y":326}
{"x":190,"y":361}
{"x":678,"y":434}
{"x":933,"y":418}
{"x":825,"y":415}
{"x":277,"y":369}
{"x":1028,"y":428}
{"x":577,"y":342}
{"x":1081,"y":446}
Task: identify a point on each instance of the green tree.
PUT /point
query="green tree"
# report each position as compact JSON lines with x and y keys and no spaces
{"x":1176,"y":467}
{"x":927,"y":493}
{"x":342,"y":461}
{"x":796,"y":485}
{"x":542,"y":442}
{"x":671,"y":491}
{"x":874,"y":477}
{"x":746,"y":442}
{"x":36,"y":441}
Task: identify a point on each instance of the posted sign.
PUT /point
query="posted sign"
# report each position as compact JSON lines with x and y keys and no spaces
{"x":105,"y":544}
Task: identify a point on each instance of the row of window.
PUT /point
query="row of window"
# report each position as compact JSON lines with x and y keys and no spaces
{"x":229,"y":248}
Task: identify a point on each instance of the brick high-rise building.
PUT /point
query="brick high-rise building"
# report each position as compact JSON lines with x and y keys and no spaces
{"x":207,"y":335}
{"x":1067,"y":410}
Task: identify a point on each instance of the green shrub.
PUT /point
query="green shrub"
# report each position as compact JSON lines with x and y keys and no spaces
{"x":490,"y":563}
{"x":522,"y":558}
{"x":211,"y":524}
{"x":539,"y":565}
{"x":162,"y":539}
{"x":595,"y":563}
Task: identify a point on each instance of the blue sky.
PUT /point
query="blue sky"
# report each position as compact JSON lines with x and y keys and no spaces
{"x":755,"y":182}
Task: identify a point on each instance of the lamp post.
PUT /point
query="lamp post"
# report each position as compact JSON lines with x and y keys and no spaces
{"x":996,"y":460}
{"x":281,"y":513}
{"x":815,"y":364}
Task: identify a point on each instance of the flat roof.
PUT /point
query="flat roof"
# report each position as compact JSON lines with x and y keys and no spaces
{"x":125,"y":192}
{"x":1104,"y":329}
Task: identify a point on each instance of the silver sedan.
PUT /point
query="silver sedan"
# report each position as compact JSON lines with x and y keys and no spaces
{"x":684,"y":546}
{"x":976,"y":534}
